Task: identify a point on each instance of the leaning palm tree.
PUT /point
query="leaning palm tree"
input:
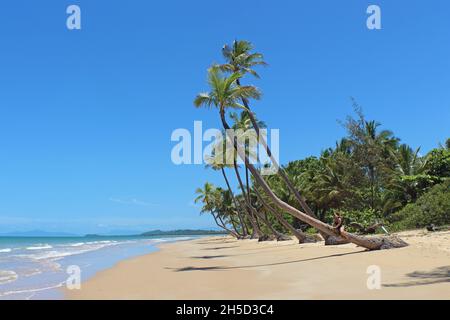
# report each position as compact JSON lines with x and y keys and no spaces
{"x":206,"y":196}
{"x":243,"y":122}
{"x":217,"y":162}
{"x":240,"y":59}
{"x":224,"y":155}
{"x":209,"y":197}
{"x":226,"y":212}
{"x":226,"y":93}
{"x":301,"y":237}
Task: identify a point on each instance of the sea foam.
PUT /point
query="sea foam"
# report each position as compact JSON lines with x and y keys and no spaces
{"x":40,"y":247}
{"x":7,"y":276}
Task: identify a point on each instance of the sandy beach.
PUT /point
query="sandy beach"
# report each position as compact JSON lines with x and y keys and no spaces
{"x":225,"y":268}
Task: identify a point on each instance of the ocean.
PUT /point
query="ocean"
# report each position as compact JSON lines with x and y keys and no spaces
{"x":37,"y":267}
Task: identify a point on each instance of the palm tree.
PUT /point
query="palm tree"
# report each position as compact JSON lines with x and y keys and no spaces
{"x":298,"y":234}
{"x":240,"y":60}
{"x":226,"y":93}
{"x":243,"y":122}
{"x":261,"y":213}
{"x":206,"y":196}
{"x":226,"y":89}
{"x":209,"y":197}
{"x":408,"y":161}
{"x":226,"y":212}
{"x":217,"y":162}
{"x":377,"y":144}
{"x":408,"y":179}
{"x":333,"y":183}
{"x":241,"y":127}
{"x":252,"y":213}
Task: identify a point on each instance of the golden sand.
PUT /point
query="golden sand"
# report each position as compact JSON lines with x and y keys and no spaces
{"x":225,"y":268}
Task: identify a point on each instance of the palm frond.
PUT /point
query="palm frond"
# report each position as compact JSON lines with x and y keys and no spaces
{"x":203,"y":99}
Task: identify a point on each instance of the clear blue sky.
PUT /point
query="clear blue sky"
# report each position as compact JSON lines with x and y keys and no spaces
{"x":86,"y":116}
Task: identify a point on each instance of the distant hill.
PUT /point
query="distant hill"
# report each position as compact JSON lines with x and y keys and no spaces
{"x":185,"y":232}
{"x":182,"y":232}
{"x":122,"y":232}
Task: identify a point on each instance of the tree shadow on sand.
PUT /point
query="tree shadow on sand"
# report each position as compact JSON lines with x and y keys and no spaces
{"x":215,"y":242}
{"x":438,"y":275}
{"x":220,"y":268}
{"x":218,"y":248}
{"x":195,"y":269}
{"x":210,"y":257}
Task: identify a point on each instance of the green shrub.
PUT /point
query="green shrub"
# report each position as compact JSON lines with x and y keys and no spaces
{"x":431,"y":208}
{"x":311,"y":230}
{"x":365,"y":218}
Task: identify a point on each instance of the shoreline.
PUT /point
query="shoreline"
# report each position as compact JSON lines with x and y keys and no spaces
{"x":225,"y":268}
{"x":38,"y":268}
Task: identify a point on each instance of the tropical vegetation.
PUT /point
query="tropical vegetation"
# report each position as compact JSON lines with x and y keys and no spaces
{"x":369,"y":182}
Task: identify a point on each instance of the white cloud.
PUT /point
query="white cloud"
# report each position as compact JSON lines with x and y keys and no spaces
{"x":132,"y":201}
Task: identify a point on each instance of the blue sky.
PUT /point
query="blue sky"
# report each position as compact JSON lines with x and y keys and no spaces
{"x":86,"y":116}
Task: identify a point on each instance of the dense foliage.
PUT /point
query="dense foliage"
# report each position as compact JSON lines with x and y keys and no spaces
{"x":369,"y":176}
{"x":368,"y":181}
{"x":431,"y":208}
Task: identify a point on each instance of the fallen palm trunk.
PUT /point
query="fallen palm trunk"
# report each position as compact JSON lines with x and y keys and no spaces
{"x":334,"y":240}
{"x":374,"y":242}
{"x":280,"y":171}
{"x":298,"y":234}
{"x":433,"y":228}
{"x":371,"y":244}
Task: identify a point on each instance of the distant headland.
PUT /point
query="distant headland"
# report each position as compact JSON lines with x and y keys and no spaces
{"x":180,"y":232}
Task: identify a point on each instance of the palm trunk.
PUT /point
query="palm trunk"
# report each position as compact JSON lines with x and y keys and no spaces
{"x":255,"y":229}
{"x":235,"y":228}
{"x":280,"y":170}
{"x":247,"y":182}
{"x":222,"y":225}
{"x":253,"y":220}
{"x":298,"y":234}
{"x":278,"y":235}
{"x":248,"y":221}
{"x":371,"y":244}
{"x":241,"y":220}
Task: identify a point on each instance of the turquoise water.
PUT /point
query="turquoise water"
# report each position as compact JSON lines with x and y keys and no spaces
{"x":37,"y":267}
